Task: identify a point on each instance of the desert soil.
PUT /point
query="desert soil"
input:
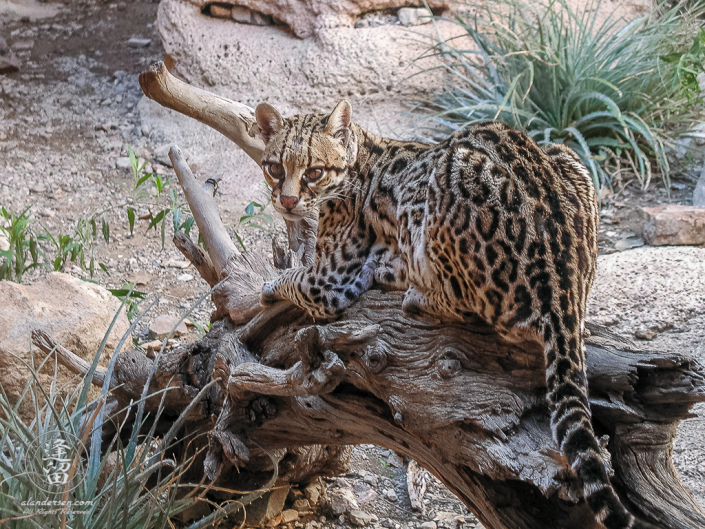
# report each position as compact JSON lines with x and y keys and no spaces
{"x":67,"y":119}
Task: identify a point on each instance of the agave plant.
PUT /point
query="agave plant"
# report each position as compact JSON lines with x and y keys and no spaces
{"x":97,"y":487}
{"x":612,"y":90}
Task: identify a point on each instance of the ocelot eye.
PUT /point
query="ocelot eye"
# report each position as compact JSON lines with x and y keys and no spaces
{"x":314,"y":174}
{"x":275,"y":170}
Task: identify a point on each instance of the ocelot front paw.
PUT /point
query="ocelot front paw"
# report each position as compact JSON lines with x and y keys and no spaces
{"x":269,"y":295}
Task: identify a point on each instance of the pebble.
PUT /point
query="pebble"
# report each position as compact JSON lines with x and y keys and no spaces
{"x":290,"y":515}
{"x":123,"y":163}
{"x":163,"y":325}
{"x":645,"y":334}
{"x":362,"y":518}
{"x":138,"y":43}
{"x":185,"y":277}
{"x":390,"y":495}
{"x":428,"y":525}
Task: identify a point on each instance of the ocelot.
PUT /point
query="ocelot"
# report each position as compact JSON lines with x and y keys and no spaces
{"x":487,"y":223}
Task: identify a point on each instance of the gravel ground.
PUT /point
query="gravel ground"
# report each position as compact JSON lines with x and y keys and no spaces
{"x":70,"y":114}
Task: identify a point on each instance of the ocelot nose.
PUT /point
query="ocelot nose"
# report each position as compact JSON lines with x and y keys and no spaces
{"x":289,"y":202}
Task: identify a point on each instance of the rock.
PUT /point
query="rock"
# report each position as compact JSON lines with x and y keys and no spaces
{"x":342,"y":500}
{"x":364,"y":493}
{"x":76,"y":313}
{"x":4,"y":243}
{"x":313,"y":493}
{"x":171,"y":263}
{"x":268,"y":507}
{"x":161,"y":154}
{"x":447,"y":516}
{"x":362,"y":518}
{"x":139,"y":278}
{"x":163,"y":325}
{"x":138,"y":43}
{"x":390,"y":495}
{"x":643,"y":334}
{"x":628,"y":243}
{"x":394,"y":460}
{"x":370,"y":479}
{"x":302,"y":51}
{"x":184,"y":277}
{"x":219,"y":11}
{"x":649,"y":287}
{"x":343,"y":483}
{"x":8,"y":60}
{"x":123,"y":162}
{"x":699,"y":191}
{"x":290,"y":516}
{"x":671,"y":224}
{"x":302,"y":505}
{"x":428,"y":525}
{"x":154,"y":344}
{"x":244,"y":15}
{"x":414,"y":16}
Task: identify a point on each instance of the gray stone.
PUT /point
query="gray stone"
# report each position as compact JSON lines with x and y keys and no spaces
{"x":699,"y":191}
{"x":645,"y":334}
{"x":163,"y":325}
{"x":342,"y":500}
{"x":628,"y":243}
{"x":428,"y":525}
{"x":390,"y":495}
{"x":364,"y":493}
{"x":313,"y":493}
{"x":370,"y":479}
{"x":161,"y":154}
{"x":123,"y":163}
{"x":139,"y":43}
{"x":414,"y":16}
{"x":394,"y":460}
{"x":8,"y":60}
{"x":362,"y":518}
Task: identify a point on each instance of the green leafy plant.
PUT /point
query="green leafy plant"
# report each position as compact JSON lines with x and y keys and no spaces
{"x":22,"y":253}
{"x":689,"y":65}
{"x":130,"y":297}
{"x":255,"y":217}
{"x":79,"y":247}
{"x":603,"y":88}
{"x":159,"y":209}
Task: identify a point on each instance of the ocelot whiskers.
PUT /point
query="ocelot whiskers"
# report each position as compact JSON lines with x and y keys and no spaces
{"x":486,"y":223}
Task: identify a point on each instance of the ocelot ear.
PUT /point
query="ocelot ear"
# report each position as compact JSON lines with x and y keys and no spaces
{"x":339,"y":121}
{"x":269,"y":121}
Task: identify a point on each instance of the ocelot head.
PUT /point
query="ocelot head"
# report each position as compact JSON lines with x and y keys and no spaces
{"x":306,"y":158}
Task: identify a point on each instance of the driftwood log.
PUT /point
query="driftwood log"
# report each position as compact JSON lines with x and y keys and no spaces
{"x":455,"y":398}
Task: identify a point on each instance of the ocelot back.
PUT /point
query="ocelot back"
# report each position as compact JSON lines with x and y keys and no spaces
{"x":485,"y":223}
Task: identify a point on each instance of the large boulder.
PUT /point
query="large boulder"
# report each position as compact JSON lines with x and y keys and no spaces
{"x":76,"y":313}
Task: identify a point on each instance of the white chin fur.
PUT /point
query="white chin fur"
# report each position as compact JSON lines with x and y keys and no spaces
{"x":291,"y":216}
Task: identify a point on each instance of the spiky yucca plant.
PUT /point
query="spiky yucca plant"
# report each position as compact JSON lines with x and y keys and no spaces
{"x":610,"y":90}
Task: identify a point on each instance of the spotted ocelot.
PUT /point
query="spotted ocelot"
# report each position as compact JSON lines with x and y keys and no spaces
{"x":487,"y":223}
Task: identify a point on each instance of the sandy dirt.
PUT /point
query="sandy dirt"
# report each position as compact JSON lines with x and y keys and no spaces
{"x":69,"y":115}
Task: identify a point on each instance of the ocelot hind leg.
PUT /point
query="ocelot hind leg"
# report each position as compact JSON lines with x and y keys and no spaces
{"x":419,"y":306}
